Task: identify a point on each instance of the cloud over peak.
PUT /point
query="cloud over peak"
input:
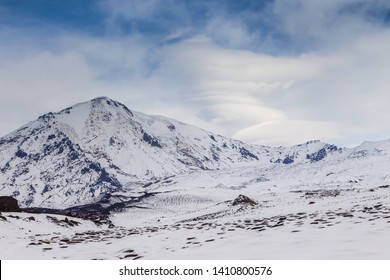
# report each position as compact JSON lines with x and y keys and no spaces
{"x":269,"y":72}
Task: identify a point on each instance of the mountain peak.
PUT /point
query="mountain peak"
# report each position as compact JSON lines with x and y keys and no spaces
{"x":106,"y":103}
{"x":106,"y":100}
{"x":101,"y":98}
{"x":95,"y":107}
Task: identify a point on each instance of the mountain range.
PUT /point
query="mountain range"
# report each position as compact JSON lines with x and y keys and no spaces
{"x":100,"y":149}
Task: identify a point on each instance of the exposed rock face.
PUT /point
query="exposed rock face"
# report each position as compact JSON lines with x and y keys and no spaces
{"x":9,"y":204}
{"x":244,"y":200}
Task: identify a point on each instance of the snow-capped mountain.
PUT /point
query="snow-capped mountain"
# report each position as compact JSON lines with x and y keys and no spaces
{"x":93,"y":148}
{"x":100,"y":147}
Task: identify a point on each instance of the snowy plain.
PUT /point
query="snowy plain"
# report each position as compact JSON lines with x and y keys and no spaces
{"x":193,"y":217}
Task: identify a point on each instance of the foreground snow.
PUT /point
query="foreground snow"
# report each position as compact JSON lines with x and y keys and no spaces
{"x":192,"y":217}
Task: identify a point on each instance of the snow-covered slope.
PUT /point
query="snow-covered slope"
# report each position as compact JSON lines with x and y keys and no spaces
{"x":94,"y":148}
{"x":197,"y":219}
{"x":100,"y":149}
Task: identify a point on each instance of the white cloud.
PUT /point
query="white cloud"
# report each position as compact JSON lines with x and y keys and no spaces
{"x":31,"y":85}
{"x":230,"y":32}
{"x":234,"y":89}
{"x":285,"y":132}
{"x":164,"y":14}
{"x":178,"y":34}
{"x":327,"y":24}
{"x":337,"y":93}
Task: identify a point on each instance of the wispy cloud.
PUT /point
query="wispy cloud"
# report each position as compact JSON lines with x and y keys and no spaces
{"x":282,"y":72}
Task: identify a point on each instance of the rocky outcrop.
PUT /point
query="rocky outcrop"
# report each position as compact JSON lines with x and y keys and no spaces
{"x":64,"y":223}
{"x":244,"y":200}
{"x":2,"y":218}
{"x":9,"y":204}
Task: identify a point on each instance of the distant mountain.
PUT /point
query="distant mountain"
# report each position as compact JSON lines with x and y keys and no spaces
{"x":90,"y":150}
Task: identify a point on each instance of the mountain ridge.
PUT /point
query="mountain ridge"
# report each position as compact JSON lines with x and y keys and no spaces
{"x":91,"y":148}
{"x":87,"y":151}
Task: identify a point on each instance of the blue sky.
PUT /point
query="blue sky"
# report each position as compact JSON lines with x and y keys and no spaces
{"x":276,"y":72}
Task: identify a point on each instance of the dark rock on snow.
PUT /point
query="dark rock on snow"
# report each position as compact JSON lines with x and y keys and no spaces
{"x":244,"y":200}
{"x":2,"y":218}
{"x":9,"y":204}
